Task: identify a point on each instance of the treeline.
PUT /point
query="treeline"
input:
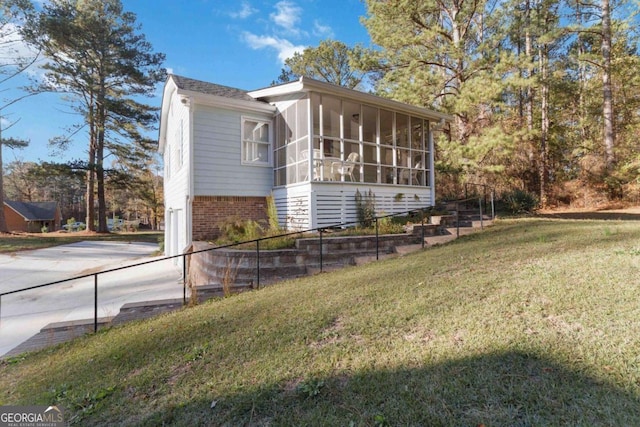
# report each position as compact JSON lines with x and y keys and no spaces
{"x":95,"y":55}
{"x":133,"y":195}
{"x":545,"y":93}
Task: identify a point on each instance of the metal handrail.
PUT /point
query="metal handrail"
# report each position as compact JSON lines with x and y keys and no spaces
{"x":465,"y":200}
{"x":320,"y":231}
{"x":486,"y":188}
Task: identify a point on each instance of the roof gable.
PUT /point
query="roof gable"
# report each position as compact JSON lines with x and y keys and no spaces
{"x":199,"y":86}
{"x":306,"y":84}
{"x":34,"y":211}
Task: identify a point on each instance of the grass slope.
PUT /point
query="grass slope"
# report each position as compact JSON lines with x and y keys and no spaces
{"x":533,"y":322}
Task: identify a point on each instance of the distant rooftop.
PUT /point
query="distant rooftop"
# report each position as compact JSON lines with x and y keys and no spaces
{"x":34,"y":211}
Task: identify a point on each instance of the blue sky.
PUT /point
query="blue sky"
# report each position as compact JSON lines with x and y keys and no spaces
{"x":235,"y":43}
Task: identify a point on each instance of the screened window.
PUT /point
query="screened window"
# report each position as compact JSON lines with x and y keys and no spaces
{"x":351,"y":121}
{"x":351,"y":142}
{"x":256,"y":142}
{"x":331,"y":116}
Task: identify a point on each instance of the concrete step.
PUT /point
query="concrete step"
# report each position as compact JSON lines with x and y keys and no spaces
{"x":57,"y":333}
{"x":365,"y":259}
{"x":145,"y":309}
{"x":216,"y":290}
{"x":315,"y":269}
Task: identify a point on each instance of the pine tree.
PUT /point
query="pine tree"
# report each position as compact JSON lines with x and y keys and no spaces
{"x":12,"y":63}
{"x":98,"y":56}
{"x":445,"y":54}
{"x":331,"y":61}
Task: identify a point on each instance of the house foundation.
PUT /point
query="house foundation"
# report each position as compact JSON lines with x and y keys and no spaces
{"x":210,"y":212}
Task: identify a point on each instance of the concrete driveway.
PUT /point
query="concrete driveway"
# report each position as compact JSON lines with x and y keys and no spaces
{"x":23,"y":314}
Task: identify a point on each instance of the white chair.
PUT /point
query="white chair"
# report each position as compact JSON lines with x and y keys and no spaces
{"x":345,"y":168}
{"x":414,"y":173}
{"x":321,"y":169}
{"x":410,"y":176}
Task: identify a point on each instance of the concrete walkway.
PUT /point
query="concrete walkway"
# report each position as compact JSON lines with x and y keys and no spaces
{"x":23,"y":314}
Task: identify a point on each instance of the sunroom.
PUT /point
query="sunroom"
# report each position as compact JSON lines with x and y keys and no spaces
{"x":331,"y":142}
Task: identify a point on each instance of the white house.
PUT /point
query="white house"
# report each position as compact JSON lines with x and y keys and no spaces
{"x":308,"y":143}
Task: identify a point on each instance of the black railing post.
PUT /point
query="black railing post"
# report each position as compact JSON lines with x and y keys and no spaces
{"x":377,"y":240}
{"x":481,"y":222}
{"x":95,"y":302}
{"x":493,"y":210}
{"x":184,"y":279}
{"x":457,"y":219}
{"x":484,"y":193}
{"x":422,"y":224}
{"x":321,"y":260}
{"x":258,"y":263}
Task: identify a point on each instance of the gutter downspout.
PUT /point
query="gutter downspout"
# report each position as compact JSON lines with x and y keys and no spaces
{"x":191,"y":185}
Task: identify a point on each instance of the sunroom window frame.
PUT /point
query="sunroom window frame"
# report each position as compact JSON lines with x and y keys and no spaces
{"x":244,"y":141}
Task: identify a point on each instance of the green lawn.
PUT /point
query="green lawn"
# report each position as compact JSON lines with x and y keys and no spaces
{"x":10,"y":243}
{"x":532,"y":322}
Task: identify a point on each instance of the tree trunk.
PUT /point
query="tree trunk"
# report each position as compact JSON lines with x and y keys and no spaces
{"x":102,"y":205}
{"x":607,"y":105}
{"x":544,"y":128}
{"x":90,"y":187}
{"x":582,"y":76}
{"x":461,"y":121}
{"x":100,"y":126}
{"x":91,"y":171}
{"x":528,"y":51}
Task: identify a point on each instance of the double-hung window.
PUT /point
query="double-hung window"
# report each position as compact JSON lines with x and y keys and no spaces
{"x":256,"y":142}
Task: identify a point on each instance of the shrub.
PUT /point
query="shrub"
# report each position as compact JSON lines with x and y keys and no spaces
{"x":272,"y":215}
{"x":518,"y":202}
{"x":238,"y":230}
{"x":387,"y":225}
{"x":366,"y":208}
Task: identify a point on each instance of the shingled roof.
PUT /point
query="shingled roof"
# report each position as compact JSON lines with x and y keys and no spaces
{"x":34,"y":211}
{"x":199,"y":86}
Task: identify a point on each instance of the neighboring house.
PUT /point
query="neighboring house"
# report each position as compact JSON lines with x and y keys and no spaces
{"x":310,"y":144}
{"x":32,"y":216}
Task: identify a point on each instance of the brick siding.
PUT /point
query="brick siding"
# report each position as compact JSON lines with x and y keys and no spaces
{"x":210,"y":211}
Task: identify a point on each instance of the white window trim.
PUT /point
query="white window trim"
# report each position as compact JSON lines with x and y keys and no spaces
{"x":269,"y":162}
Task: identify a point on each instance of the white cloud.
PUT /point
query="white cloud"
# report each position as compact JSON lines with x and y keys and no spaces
{"x":320,"y":30}
{"x":245,"y":11}
{"x":12,"y":46}
{"x":284,"y":47}
{"x":287,"y":16}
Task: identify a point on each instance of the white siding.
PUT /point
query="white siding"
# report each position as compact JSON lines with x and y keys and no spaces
{"x":321,"y":204}
{"x":217,"y":156}
{"x":293,"y":204}
{"x":177,"y":177}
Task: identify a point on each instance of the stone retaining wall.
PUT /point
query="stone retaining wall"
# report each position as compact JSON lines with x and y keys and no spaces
{"x":214,"y":267}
